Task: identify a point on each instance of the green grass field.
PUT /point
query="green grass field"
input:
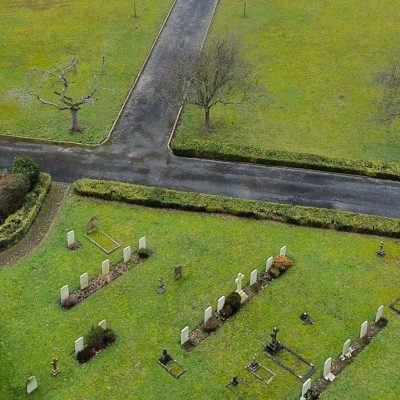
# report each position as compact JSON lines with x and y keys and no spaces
{"x":317,"y":64}
{"x":337,"y":278}
{"x":46,"y":33}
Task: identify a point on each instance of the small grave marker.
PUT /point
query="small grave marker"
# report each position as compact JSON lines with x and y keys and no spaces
{"x":282,"y":251}
{"x":127,"y":253}
{"x":178,"y":272}
{"x":184,"y":335}
{"x":253,"y":277}
{"x":84,"y":280}
{"x":379,"y":313}
{"x":79,"y":346}
{"x":31,"y":385}
{"x":328,"y":370}
{"x":305,"y":388}
{"x":269,"y":263}
{"x":221,"y":303}
{"x":54,"y":367}
{"x":64,"y":293}
{"x":105,"y":267}
{"x":207,"y":314}
{"x":103,"y":324}
{"x":71,"y":238}
{"x":346,"y":349}
{"x":142,"y":243}
{"x":363,"y":329}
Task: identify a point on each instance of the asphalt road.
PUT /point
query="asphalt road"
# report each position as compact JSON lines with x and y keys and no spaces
{"x":138,"y":151}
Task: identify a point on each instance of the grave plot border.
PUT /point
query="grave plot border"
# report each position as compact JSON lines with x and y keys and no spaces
{"x":100,"y":281}
{"x":116,"y":247}
{"x":291,"y":370}
{"x":169,"y":370}
{"x":263,"y":367}
{"x":393,"y":305}
{"x":237,"y":393}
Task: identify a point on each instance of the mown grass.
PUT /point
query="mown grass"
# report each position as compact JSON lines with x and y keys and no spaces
{"x":47,"y":33}
{"x":337,"y":279}
{"x":317,"y":65}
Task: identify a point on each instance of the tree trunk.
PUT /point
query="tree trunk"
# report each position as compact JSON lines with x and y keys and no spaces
{"x":75,"y":121}
{"x":207,"y":126}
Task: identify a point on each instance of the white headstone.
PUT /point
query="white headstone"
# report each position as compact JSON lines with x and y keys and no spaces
{"x":253,"y":277}
{"x":64,"y":292}
{"x":327,"y":370}
{"x":346,"y":348}
{"x":71,"y":238}
{"x":105,"y":267}
{"x":207,"y":314}
{"x":239,"y":290}
{"x":142,"y":243}
{"x":84,"y":280}
{"x":305,"y":388}
{"x":79,"y":346}
{"x":269,"y":263}
{"x":103,"y":324}
{"x":379,"y":313}
{"x":127,"y":253}
{"x":363,"y":329}
{"x":31,"y":385}
{"x":184,"y":335}
{"x":221,"y":303}
{"x":282,"y":251}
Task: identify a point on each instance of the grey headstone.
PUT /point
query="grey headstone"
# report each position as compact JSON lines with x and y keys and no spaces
{"x":305,"y":388}
{"x":282,"y":251}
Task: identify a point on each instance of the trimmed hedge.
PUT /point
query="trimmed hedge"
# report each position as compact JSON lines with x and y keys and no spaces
{"x":17,"y":224}
{"x":202,"y":148}
{"x":299,"y":215}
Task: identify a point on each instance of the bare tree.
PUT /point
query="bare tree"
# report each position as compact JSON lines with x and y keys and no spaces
{"x":57,"y":83}
{"x":389,"y":105}
{"x":217,"y":75}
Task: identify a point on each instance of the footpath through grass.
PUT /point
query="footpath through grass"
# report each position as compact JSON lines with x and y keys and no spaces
{"x":317,"y":63}
{"x":337,"y":279}
{"x":44,"y":34}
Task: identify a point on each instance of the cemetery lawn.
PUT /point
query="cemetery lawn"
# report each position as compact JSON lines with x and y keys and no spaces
{"x":48,"y":33}
{"x":337,"y":279}
{"x":317,"y":64}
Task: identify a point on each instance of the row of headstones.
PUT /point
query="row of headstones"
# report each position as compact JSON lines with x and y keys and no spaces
{"x":346,"y":352}
{"x":221,"y":301}
{"x":79,"y":343}
{"x":32,"y":383}
{"x":105,"y":268}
